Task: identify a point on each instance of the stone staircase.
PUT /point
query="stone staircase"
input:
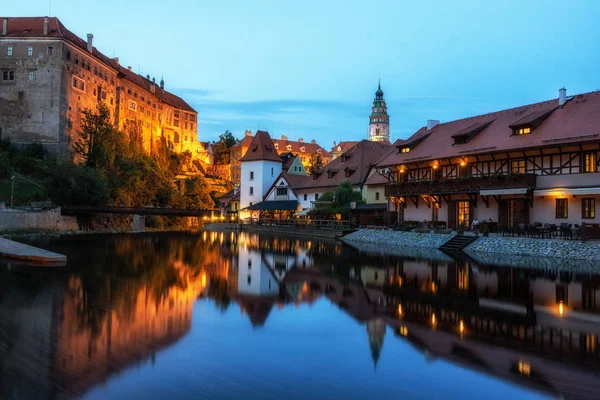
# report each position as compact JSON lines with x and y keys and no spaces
{"x":457,"y":243}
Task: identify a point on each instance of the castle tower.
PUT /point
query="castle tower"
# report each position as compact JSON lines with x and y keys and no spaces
{"x":379,"y":126}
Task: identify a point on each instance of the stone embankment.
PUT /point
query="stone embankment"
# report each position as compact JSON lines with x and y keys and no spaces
{"x":51,"y":220}
{"x":399,"y":239}
{"x":567,"y":249}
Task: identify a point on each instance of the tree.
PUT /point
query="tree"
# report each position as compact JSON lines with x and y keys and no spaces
{"x":72,"y":184}
{"x":96,"y":131}
{"x":197,"y":193}
{"x":344,"y":195}
{"x":316,"y":163}
{"x":222,"y":147}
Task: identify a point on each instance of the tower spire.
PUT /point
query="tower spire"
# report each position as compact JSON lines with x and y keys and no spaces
{"x":379,"y":126}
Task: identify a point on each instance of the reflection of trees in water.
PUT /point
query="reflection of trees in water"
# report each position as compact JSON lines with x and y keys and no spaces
{"x":113,"y":274}
{"x":218,"y":290}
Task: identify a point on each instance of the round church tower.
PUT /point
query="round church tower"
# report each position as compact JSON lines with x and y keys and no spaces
{"x":379,"y":126}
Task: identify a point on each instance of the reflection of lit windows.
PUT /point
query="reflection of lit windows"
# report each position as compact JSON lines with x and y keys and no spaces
{"x":524,"y":368}
{"x":463,"y":278}
{"x":403,"y":330}
{"x":588,"y":299}
{"x":590,"y":343}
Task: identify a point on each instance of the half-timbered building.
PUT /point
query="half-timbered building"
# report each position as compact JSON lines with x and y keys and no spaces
{"x":535,"y":163}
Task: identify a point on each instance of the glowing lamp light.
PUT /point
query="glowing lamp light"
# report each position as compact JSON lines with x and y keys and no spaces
{"x":461,"y":327}
{"x":433,"y":320}
{"x":400,"y":309}
{"x":561,"y":308}
{"x":463,"y":163}
{"x":435,"y":166}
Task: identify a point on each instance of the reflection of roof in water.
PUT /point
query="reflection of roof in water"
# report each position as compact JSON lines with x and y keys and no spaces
{"x":258,"y":308}
{"x":504,"y":260}
{"x":409,"y":252}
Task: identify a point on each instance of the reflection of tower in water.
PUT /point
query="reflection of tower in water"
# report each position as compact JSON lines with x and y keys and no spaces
{"x":376,"y":331}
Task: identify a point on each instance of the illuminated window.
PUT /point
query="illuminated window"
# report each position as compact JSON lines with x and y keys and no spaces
{"x":590,"y":162}
{"x":588,"y":208}
{"x":133,"y":105}
{"x":522,"y":131}
{"x":9,"y":51}
{"x":562,"y":208}
{"x":29,"y":51}
{"x":463,"y":213}
{"x":405,"y":149}
{"x":517,"y":166}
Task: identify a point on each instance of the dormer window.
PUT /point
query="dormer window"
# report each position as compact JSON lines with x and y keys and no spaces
{"x":404,"y":149}
{"x":277,"y":146}
{"x":349,"y":172}
{"x":339,"y":148}
{"x":302,"y":149}
{"x":331,"y":173}
{"x":288,"y":147}
{"x":318,"y":151}
{"x":526,"y":124}
{"x":345,"y":157}
{"x":465,"y":135}
{"x":522,"y":131}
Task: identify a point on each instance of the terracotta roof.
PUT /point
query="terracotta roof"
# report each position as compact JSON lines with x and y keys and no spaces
{"x":34,"y":27}
{"x":244,"y":142}
{"x":295,"y":181}
{"x":376,"y":179}
{"x":577,"y":121}
{"x":287,"y":159}
{"x":344,"y":146}
{"x":261,"y":148}
{"x":295,"y":147}
{"x":358,"y":159}
{"x":163,"y":95}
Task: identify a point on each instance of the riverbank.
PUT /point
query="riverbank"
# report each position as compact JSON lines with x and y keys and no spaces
{"x":529,"y":252}
{"x":274,"y":229}
{"x":19,"y":251}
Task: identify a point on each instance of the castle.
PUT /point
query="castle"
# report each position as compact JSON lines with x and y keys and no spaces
{"x":48,"y":75}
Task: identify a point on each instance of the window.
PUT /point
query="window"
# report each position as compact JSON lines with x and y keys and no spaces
{"x":282,"y":191}
{"x":8,"y":75}
{"x":517,"y":166}
{"x":251,"y":191}
{"x":405,"y":150}
{"x":464,"y":211}
{"x":9,"y":51}
{"x":305,"y":197}
{"x":142,"y":109}
{"x":376,"y":196}
{"x":31,"y":75}
{"x":50,"y":50}
{"x":129,"y":91}
{"x":176,"y":114}
{"x":29,"y":51}
{"x":277,"y":146}
{"x":176,"y":122}
{"x":251,"y":175}
{"x":20,"y":95}
{"x":302,"y":149}
{"x":522,"y":131}
{"x":132,"y":105}
{"x":249,"y":279}
{"x":589,"y":162}
{"x":68,"y":55}
{"x":316,"y":196}
{"x":78,"y":83}
{"x":377,"y":131}
{"x":588,"y":208}
{"x":562,"y":208}
{"x":288,"y":147}
{"x":272,"y":171}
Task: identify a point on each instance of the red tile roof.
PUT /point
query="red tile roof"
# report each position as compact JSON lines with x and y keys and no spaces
{"x":358,"y":160}
{"x":296,"y":147}
{"x":163,"y":95}
{"x":32,"y":27}
{"x":577,"y":121}
{"x":343,"y":147}
{"x":261,"y":148}
{"x":244,"y":142}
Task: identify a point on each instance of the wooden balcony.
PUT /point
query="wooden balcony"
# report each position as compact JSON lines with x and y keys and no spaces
{"x":468,"y":185}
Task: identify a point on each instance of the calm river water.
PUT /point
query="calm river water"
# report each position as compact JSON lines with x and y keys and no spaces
{"x":228,"y":316}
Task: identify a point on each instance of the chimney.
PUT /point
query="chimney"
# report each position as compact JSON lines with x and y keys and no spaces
{"x":300,"y":140}
{"x":431,"y":123}
{"x":162,"y":83}
{"x":153,"y":88}
{"x":154,"y":80}
{"x":313,"y":141}
{"x":129,"y":68}
{"x":248,"y":133}
{"x":45,"y":26}
{"x":283,"y":137}
{"x":89,"y":42}
{"x":116,"y":59}
{"x":5,"y":27}
{"x":562,"y":97}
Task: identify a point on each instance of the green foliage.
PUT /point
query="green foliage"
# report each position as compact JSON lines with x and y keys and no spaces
{"x":344,"y":195}
{"x":316,"y":163}
{"x":95,"y":147}
{"x":222,"y":147}
{"x":71,"y":184}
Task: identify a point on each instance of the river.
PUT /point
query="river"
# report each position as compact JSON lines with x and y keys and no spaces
{"x":242,"y":316}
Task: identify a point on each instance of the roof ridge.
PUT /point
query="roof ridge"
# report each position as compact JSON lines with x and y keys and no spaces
{"x":510,"y":109}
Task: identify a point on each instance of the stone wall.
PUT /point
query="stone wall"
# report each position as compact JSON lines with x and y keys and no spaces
{"x":396,"y":238}
{"x":45,"y":220}
{"x":567,"y":249}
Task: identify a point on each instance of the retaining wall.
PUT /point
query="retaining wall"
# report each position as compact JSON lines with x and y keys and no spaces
{"x":397,"y":238}
{"x":44,"y":220}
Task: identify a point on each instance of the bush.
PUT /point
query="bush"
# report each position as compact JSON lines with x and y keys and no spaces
{"x":72,"y":184}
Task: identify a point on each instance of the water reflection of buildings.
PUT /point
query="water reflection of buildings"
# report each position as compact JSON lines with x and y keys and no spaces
{"x":63,"y":345}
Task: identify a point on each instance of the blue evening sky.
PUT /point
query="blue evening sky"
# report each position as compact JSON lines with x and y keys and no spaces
{"x":309,"y":68}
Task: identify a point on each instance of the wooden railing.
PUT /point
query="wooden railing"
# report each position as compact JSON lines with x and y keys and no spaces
{"x":300,"y":223}
{"x":461,"y":185}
